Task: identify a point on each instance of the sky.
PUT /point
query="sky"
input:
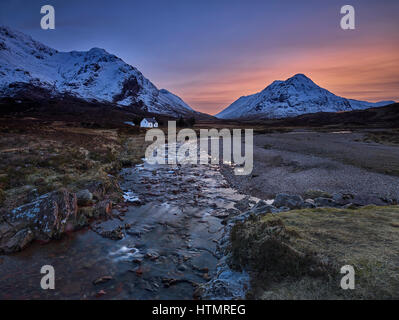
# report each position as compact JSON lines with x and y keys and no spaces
{"x":211,"y":52}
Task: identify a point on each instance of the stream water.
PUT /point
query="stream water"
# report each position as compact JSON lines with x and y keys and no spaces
{"x":168,"y":247}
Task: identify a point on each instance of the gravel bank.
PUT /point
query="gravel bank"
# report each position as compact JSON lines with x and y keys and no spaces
{"x":333,"y":162}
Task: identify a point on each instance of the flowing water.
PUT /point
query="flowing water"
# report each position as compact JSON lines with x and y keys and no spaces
{"x":171,"y":228}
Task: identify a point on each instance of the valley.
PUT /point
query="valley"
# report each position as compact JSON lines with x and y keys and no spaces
{"x":77,"y":193}
{"x":160,"y":243}
{"x":180,"y":231}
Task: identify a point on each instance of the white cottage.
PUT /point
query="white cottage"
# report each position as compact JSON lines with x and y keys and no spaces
{"x":149,"y":123}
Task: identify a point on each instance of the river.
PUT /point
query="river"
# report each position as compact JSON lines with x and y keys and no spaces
{"x":171,"y":225}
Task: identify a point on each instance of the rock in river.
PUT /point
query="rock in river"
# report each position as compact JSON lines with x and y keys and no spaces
{"x":48,"y":217}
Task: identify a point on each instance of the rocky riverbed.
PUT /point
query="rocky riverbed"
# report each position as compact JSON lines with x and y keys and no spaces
{"x":162,"y":243}
{"x":170,"y":239}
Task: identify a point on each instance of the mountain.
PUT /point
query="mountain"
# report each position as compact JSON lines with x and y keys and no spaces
{"x":292,"y":97}
{"x":28,"y":67}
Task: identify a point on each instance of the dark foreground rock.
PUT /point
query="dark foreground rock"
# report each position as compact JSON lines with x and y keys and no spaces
{"x":47,"y":218}
{"x":290,"y":201}
{"x":325,"y":202}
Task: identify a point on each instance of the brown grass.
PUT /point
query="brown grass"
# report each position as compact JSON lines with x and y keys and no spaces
{"x":303,"y":260}
{"x":47,"y":156}
{"x":389,"y":137}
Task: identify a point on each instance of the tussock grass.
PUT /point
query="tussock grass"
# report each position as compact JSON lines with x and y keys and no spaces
{"x":35,"y":161}
{"x":301,"y":259}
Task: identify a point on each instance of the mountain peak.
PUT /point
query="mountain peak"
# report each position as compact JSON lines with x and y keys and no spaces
{"x":300,"y":81}
{"x":99,"y":51}
{"x":88,"y":75}
{"x":300,"y":77}
{"x":295,"y":96}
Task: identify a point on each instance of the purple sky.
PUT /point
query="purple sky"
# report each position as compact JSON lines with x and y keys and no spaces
{"x":212,"y":52}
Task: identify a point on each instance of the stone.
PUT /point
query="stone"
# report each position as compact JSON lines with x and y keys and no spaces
{"x":115,"y":233}
{"x":182,"y":268}
{"x":283,"y":209}
{"x":48,"y":217}
{"x":342,"y":198}
{"x":100,"y":293}
{"x":350,"y":206}
{"x":262,"y":207}
{"x":325,"y":202}
{"x":84,"y":197}
{"x":227,"y":285}
{"x":290,"y":201}
{"x":103,"y":209}
{"x":102,"y":280}
{"x":243,"y":204}
{"x":309,"y":203}
{"x":152,"y":254}
{"x":18,"y":241}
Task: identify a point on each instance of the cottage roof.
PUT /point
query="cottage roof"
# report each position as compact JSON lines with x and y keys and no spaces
{"x":150,"y":120}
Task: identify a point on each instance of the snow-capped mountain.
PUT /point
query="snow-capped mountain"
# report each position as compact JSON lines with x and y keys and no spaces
{"x":91,"y":75}
{"x":295,"y":96}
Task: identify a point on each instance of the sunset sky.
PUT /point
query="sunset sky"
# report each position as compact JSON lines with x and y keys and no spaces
{"x":212,"y":52}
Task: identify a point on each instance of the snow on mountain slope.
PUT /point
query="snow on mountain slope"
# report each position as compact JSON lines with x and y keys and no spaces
{"x":297,"y":95}
{"x":169,"y":98}
{"x":92,"y":75}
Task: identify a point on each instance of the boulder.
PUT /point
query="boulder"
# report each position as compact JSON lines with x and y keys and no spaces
{"x":243,"y":204}
{"x":325,"y":202}
{"x":290,"y":201}
{"x":262,"y":207}
{"x":84,"y":197}
{"x":342,"y":198}
{"x":48,"y":217}
{"x":309,"y":203}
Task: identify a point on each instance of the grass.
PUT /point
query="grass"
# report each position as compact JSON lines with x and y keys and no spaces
{"x":46,"y":156}
{"x":389,"y":137}
{"x":298,"y":254}
{"x":313,"y":194}
{"x":268,"y":130}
